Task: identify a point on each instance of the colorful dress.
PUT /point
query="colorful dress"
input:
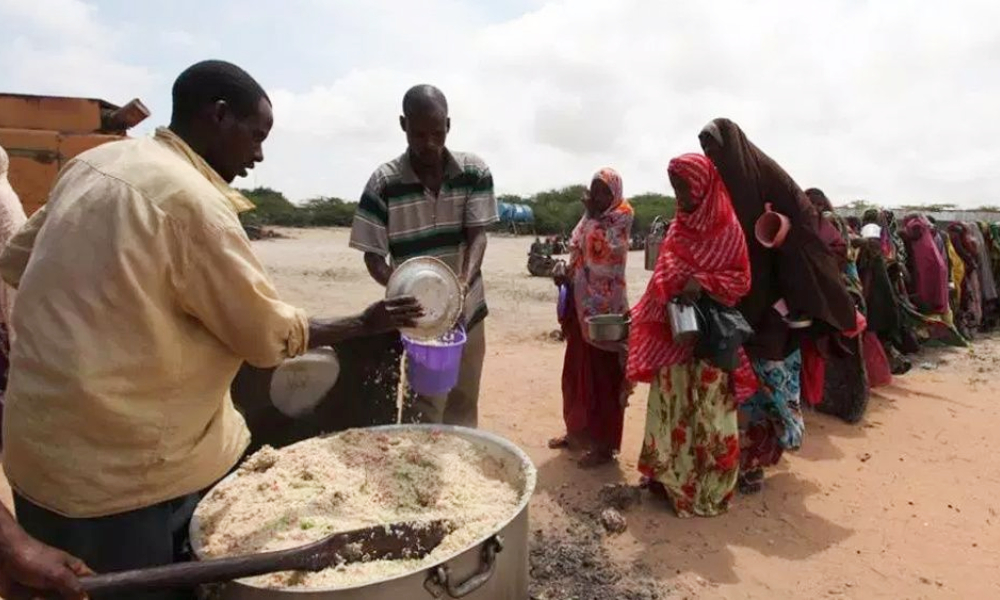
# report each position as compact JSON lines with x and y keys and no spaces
{"x":928,"y":268}
{"x":840,"y":385}
{"x":913,"y":326}
{"x":593,"y":379}
{"x":599,"y":253}
{"x":691,"y":444}
{"x":772,"y":418}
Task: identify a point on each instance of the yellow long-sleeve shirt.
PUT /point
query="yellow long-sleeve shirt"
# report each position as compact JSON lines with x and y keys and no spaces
{"x":138,"y":298}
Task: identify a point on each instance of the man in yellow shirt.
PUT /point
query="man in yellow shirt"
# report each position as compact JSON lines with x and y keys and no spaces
{"x":139,"y":297}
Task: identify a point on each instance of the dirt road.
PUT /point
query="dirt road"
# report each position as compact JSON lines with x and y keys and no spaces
{"x":904,"y":505}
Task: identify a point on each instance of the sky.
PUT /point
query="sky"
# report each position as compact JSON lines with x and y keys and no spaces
{"x":893,"y":102}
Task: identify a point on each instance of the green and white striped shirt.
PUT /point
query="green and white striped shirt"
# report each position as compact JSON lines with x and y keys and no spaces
{"x":399,"y":218}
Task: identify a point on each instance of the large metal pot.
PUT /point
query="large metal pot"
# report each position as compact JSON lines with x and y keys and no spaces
{"x":494,"y":568}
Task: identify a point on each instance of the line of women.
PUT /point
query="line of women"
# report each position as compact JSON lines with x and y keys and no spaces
{"x":942,"y":277}
{"x":831,"y":311}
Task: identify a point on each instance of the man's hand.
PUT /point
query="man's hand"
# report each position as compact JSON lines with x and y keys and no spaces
{"x":30,"y":569}
{"x":391,"y":314}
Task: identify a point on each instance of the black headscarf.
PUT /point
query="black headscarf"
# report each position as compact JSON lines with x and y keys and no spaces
{"x":803,"y":271}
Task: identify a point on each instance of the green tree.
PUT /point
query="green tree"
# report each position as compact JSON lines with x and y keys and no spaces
{"x":648,"y":207}
{"x":557,"y":211}
{"x":931,"y":208}
{"x":860,"y":205}
{"x":272,"y":208}
{"x":329,"y":212}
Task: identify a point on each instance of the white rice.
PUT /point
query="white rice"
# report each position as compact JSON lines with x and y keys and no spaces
{"x":286,"y":498}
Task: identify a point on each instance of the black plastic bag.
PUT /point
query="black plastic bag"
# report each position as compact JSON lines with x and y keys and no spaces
{"x":723,"y":333}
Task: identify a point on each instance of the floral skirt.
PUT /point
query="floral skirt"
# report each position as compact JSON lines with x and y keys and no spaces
{"x":771,"y":419}
{"x":691,"y":445}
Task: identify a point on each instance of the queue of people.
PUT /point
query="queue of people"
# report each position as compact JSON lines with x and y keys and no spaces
{"x":836,"y":304}
{"x":139,"y":297}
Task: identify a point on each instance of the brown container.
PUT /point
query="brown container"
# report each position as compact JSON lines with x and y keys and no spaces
{"x":31,"y":143}
{"x":36,"y":156}
{"x":71,"y":145}
{"x":32,"y":181}
{"x":77,"y":115}
{"x":42,"y":133}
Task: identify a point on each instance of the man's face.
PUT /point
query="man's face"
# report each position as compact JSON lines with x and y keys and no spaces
{"x":426,"y":135}
{"x":238,"y":141}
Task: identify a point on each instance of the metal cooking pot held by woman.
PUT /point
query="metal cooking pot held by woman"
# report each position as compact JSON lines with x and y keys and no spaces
{"x":657,"y":233}
{"x":608,"y":328}
{"x":683,"y":321}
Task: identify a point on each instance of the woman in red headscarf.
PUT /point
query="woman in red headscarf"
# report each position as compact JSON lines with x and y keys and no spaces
{"x":691,"y":448}
{"x":593,"y":381}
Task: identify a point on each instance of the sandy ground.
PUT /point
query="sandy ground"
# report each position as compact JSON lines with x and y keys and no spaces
{"x":904,"y":505}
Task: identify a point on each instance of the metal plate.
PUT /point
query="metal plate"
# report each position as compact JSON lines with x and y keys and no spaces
{"x":436,"y":288}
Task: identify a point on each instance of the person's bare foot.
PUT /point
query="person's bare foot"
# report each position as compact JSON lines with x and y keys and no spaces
{"x":560,"y":442}
{"x":596,"y":458}
{"x":751,"y":482}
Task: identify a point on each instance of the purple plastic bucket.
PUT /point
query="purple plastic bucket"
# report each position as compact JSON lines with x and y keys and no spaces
{"x":432,"y":367}
{"x":563,"y":302}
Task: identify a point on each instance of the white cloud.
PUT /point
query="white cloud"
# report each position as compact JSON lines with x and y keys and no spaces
{"x":69,"y":21}
{"x":61,"y":47}
{"x":865,"y":99}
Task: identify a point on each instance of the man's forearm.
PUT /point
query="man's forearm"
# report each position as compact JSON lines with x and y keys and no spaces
{"x":378,"y":268}
{"x":327,"y":332}
{"x":9,"y":529}
{"x":475,"y":251}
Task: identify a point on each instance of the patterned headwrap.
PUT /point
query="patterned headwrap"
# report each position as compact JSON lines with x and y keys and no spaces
{"x":706,"y":244}
{"x":599,"y":253}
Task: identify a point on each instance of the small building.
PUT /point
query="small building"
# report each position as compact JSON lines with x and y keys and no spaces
{"x":42,"y":133}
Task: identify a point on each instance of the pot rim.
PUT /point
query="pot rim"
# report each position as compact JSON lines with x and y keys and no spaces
{"x":528,"y":471}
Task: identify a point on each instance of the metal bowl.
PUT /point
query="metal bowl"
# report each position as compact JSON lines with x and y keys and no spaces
{"x":437,"y":289}
{"x":608,"y":328}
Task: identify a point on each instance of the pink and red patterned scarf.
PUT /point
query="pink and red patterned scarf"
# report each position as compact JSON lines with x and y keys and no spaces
{"x":599,"y":254}
{"x":708,"y":245}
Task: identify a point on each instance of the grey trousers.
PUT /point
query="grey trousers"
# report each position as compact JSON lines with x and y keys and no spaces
{"x":461,"y":406}
{"x":148,"y":537}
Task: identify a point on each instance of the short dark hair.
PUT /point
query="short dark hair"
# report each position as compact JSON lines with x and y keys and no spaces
{"x":208,"y":82}
{"x":424,"y":99}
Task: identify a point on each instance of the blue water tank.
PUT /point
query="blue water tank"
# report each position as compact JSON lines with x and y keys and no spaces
{"x":515,"y":213}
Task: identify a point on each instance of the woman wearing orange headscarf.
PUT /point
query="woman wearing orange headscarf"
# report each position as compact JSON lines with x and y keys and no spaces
{"x":593,"y":381}
{"x":691,"y":449}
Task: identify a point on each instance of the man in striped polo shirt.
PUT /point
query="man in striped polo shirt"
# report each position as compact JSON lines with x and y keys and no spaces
{"x":433,"y":202}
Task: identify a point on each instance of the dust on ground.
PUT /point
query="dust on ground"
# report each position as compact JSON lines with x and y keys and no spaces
{"x":905,"y":504}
